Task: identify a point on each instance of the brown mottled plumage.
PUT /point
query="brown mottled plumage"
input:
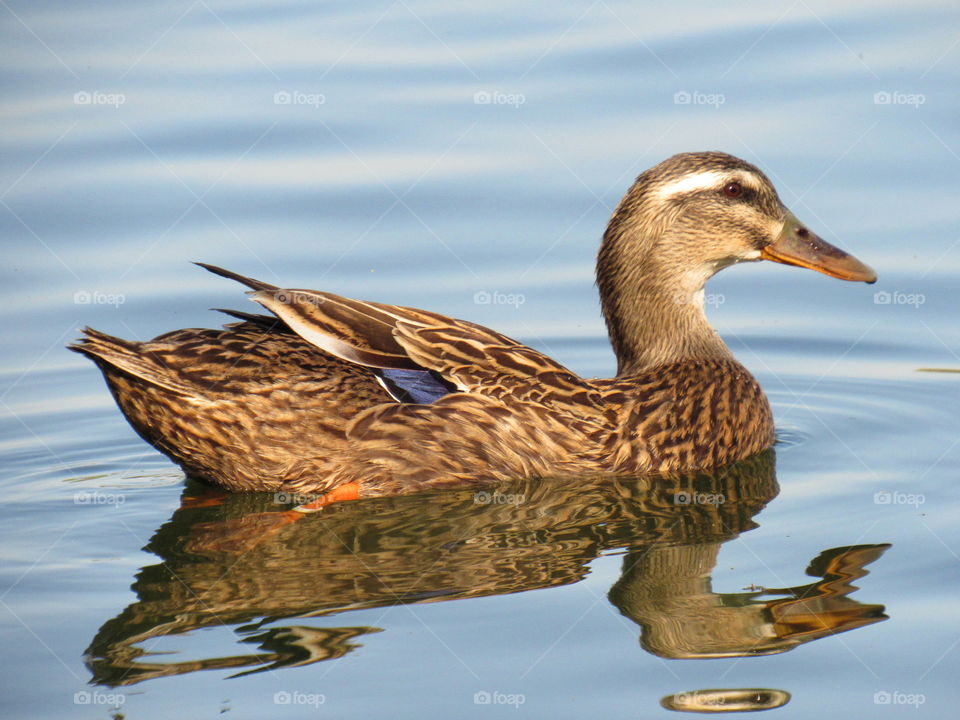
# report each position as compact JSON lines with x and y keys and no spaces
{"x":298,"y":403}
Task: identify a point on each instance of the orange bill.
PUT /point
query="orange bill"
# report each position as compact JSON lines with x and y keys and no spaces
{"x":796,"y":245}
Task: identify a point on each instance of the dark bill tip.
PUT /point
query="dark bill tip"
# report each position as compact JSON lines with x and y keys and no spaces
{"x":796,"y":245}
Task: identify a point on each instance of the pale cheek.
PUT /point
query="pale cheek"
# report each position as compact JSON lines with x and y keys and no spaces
{"x":753,"y":254}
{"x":776,"y":227}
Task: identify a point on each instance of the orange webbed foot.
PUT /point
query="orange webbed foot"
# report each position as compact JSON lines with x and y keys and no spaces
{"x":341,"y":493}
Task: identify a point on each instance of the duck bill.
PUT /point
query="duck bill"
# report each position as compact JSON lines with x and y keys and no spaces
{"x":795,"y":245}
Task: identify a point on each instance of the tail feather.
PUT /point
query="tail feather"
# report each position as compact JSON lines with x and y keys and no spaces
{"x":125,"y":355}
{"x":249,"y":282}
{"x":270,"y":322}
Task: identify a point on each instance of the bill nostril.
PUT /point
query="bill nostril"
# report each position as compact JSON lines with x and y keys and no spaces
{"x":802,"y":232}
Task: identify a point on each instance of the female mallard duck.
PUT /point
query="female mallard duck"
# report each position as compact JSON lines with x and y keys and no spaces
{"x":355,"y":399}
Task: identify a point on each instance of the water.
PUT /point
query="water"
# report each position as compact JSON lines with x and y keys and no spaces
{"x":346,"y":148}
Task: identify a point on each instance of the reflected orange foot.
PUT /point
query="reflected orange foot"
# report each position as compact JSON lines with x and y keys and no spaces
{"x":238,"y":535}
{"x":209,"y":497}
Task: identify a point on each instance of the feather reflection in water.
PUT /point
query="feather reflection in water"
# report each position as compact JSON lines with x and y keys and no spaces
{"x":443,"y":546}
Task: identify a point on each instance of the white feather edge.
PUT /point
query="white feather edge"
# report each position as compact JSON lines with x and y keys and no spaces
{"x":328,"y":343}
{"x":705,"y":180}
{"x":325,"y":342}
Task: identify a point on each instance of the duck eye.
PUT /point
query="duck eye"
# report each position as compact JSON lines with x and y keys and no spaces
{"x":733,"y":189}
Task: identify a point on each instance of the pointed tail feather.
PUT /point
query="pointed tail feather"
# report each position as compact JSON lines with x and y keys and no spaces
{"x":249,"y":282}
{"x":112,"y":352}
{"x":269,"y":322}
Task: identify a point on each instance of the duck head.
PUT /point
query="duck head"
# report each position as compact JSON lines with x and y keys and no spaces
{"x":681,"y":222}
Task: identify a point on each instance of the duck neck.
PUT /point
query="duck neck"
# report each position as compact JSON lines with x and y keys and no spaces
{"x":654,"y":315}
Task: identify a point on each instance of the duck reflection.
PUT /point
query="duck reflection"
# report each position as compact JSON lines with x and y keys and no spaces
{"x":666,"y":590}
{"x":230,"y":562}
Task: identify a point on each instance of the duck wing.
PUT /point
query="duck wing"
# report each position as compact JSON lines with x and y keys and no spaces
{"x":470,"y":357}
{"x":354,"y":330}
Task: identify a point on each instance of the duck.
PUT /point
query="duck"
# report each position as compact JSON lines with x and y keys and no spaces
{"x":341,"y":399}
